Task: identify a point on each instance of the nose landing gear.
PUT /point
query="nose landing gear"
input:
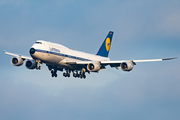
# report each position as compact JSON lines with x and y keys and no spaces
{"x":38,"y":64}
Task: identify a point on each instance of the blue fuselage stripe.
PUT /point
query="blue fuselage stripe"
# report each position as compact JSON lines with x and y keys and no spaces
{"x":60,"y":54}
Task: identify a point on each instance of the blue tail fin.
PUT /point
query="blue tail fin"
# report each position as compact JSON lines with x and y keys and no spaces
{"x":105,"y":47}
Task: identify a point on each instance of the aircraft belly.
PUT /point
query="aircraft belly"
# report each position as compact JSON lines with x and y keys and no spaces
{"x":47,"y":58}
{"x":54,"y":59}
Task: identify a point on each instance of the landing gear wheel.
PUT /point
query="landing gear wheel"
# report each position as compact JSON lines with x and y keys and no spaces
{"x":81,"y":76}
{"x":84,"y":76}
{"x":55,"y":75}
{"x":38,"y":68}
{"x":74,"y":75}
{"x":64,"y":74}
{"x":68,"y":75}
{"x":52,"y":75}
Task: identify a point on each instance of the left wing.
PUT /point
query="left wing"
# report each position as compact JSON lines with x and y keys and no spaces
{"x":16,"y":55}
{"x":117,"y":63}
{"x":126,"y":65}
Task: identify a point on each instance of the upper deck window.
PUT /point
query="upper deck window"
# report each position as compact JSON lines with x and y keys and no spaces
{"x":38,"y":42}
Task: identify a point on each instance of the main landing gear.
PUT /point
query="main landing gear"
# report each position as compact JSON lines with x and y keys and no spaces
{"x":67,"y":73}
{"x":54,"y":73}
{"x":81,"y":74}
{"x":76,"y":73}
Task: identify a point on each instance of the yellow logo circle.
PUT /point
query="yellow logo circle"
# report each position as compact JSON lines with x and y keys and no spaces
{"x":107,"y":44}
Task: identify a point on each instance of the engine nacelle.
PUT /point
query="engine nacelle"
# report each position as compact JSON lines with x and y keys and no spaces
{"x":16,"y":61}
{"x":126,"y":66}
{"x":31,"y":64}
{"x":93,"y":67}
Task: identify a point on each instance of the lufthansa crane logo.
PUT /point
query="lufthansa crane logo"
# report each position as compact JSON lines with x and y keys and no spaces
{"x":107,"y":44}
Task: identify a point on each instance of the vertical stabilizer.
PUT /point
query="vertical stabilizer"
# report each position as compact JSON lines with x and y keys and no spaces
{"x":105,"y":47}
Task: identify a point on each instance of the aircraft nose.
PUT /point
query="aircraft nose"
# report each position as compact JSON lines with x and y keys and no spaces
{"x":32,"y":51}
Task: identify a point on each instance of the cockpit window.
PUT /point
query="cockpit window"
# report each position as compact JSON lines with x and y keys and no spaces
{"x":38,"y":42}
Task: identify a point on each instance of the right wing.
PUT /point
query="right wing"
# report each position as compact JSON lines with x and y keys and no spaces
{"x":16,"y":55}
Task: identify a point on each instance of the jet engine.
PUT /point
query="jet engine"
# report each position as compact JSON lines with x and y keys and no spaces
{"x":93,"y":67}
{"x":126,"y":66}
{"x":16,"y":61}
{"x":31,"y":64}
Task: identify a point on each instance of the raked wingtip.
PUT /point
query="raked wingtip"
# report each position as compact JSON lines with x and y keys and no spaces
{"x":169,"y":58}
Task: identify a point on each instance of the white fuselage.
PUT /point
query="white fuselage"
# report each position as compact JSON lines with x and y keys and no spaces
{"x":59,"y":55}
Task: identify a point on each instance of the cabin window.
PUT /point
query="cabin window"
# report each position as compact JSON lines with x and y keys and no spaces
{"x":38,"y":42}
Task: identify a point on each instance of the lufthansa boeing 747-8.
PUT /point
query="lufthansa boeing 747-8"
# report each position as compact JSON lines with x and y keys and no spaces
{"x":58,"y":57}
